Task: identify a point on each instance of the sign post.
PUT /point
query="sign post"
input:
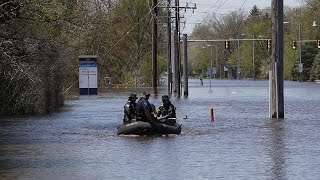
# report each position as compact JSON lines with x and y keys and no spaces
{"x":88,"y":75}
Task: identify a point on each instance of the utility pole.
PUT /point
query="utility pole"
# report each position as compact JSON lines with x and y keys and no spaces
{"x":154,"y":44}
{"x":177,"y":47}
{"x":185,"y":65}
{"x":173,"y":54}
{"x":169,"y":49}
{"x":276,"y":104}
{"x":173,"y":60}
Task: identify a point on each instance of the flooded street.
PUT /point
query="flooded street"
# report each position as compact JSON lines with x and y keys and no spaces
{"x":242,"y":142}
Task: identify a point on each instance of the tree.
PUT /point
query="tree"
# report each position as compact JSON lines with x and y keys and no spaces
{"x":32,"y":57}
{"x":315,"y":70}
{"x":255,"y":14}
{"x":308,"y":53}
{"x":254,"y":30}
{"x":214,"y":27}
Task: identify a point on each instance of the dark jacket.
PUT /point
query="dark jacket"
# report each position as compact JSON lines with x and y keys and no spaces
{"x":129,"y":112}
{"x":167,"y":111}
{"x":142,"y":108}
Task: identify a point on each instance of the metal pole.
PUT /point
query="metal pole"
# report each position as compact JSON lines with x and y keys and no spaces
{"x":154,"y":45}
{"x":211,"y":67}
{"x":216,"y":60}
{"x":238,"y":62}
{"x":220,"y":67}
{"x":88,"y":81}
{"x":185,"y":65}
{"x":253,"y":58}
{"x":300,"y":70}
{"x":300,"y":61}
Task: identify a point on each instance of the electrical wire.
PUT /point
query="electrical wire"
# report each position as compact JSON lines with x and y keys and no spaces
{"x":128,"y":32}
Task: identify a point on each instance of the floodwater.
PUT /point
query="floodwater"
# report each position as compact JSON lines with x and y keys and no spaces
{"x":242,"y":143}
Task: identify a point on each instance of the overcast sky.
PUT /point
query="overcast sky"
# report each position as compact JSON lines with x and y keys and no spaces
{"x":206,"y":7}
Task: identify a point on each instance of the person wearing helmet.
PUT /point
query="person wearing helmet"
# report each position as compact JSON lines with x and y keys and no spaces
{"x":130,"y":109}
{"x":167,"y":111}
{"x":144,"y":109}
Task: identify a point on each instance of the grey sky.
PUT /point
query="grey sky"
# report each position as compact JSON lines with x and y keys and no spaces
{"x":206,"y":7}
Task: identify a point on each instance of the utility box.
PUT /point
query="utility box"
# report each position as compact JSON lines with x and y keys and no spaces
{"x":88,"y":75}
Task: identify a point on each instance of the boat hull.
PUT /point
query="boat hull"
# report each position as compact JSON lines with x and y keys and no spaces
{"x":146,"y":128}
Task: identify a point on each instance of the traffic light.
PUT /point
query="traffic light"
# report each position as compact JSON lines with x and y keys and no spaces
{"x":318,"y":43}
{"x":227,"y":45}
{"x":294,"y":45}
{"x":269,"y":43}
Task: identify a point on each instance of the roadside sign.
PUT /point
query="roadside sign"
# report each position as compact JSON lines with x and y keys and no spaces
{"x":300,"y":67}
{"x":88,"y":75}
{"x":225,"y":68}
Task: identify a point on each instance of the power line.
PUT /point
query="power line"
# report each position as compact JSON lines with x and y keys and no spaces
{"x":128,"y":32}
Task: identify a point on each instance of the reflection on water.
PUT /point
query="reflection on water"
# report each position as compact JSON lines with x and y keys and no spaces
{"x":277,"y":149}
{"x":242,"y":142}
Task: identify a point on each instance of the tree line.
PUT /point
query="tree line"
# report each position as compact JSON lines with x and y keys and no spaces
{"x":40,"y":41}
{"x":250,"y":59}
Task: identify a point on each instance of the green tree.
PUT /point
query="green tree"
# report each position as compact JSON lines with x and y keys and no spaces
{"x":215,"y":27}
{"x":254,"y":29}
{"x":308,"y":54}
{"x":315,"y":70}
{"x":255,"y":14}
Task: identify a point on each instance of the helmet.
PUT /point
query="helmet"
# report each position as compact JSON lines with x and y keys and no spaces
{"x":133,"y":96}
{"x":146,"y":93}
{"x":165,"y":97}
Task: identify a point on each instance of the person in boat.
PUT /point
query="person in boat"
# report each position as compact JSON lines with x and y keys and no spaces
{"x":144,"y":109}
{"x":130,"y":109}
{"x":166,"y":112}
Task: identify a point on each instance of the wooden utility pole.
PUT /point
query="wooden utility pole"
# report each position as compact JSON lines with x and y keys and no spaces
{"x":174,"y":61}
{"x":169,"y":48}
{"x":276,"y":104}
{"x":154,"y":44}
{"x":177,"y":47}
{"x":185,"y":65}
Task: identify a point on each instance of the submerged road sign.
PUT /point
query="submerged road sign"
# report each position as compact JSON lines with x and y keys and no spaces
{"x":88,"y":75}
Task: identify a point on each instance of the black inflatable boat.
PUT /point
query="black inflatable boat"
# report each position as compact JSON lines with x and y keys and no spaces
{"x":146,"y":128}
